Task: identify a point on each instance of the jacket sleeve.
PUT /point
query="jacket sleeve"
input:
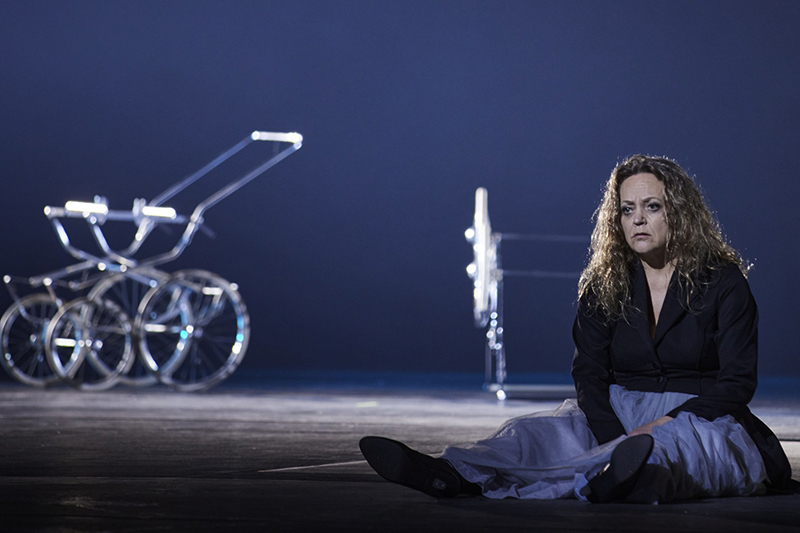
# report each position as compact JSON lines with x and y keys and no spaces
{"x":737,"y":348}
{"x":591,"y":372}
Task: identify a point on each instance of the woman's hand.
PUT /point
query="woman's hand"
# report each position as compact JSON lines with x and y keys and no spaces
{"x":647,"y":429}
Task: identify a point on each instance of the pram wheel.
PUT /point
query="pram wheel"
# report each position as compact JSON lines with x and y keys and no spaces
{"x":23,"y":327}
{"x":203,"y":321}
{"x":127,"y":292}
{"x":484,"y":268}
{"x":99,"y":332}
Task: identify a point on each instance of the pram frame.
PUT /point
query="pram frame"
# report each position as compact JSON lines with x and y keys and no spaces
{"x":98,"y":272}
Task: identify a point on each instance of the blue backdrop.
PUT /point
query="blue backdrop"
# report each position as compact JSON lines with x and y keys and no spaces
{"x":350,"y":254}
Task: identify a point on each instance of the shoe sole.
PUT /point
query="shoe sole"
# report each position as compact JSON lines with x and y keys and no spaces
{"x":616,"y":481}
{"x":396,"y":462}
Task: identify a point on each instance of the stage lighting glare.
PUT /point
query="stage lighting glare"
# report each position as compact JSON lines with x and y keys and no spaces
{"x":86,"y":207}
{"x":293,"y":137}
{"x":159,"y":212}
{"x":65,"y":343}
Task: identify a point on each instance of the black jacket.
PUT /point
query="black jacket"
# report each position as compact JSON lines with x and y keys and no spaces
{"x":707,"y":346}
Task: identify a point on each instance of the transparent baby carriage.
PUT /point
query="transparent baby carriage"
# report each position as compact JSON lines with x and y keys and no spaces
{"x":124,"y":319}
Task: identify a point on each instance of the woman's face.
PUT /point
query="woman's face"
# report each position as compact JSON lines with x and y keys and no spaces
{"x":641,"y":201}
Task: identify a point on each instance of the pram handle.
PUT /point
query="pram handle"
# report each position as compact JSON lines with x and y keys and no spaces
{"x":293,"y":138}
{"x":195,"y":221}
{"x":149,"y":215}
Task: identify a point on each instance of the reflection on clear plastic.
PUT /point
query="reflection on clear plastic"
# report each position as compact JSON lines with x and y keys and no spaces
{"x":484,"y":267}
{"x":159,"y":212}
{"x":85,"y":207}
{"x":292,"y":137}
{"x":487,"y":277}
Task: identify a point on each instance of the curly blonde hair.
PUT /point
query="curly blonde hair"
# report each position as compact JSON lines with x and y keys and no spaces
{"x":695,"y":240}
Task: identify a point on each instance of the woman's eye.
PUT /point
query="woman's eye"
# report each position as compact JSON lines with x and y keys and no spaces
{"x":654,"y":206}
{"x":626,"y":210}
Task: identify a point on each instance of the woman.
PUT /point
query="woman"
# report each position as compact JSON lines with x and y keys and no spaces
{"x":664,"y":367}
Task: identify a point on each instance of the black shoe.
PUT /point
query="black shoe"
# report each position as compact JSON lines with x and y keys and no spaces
{"x":616,"y":481}
{"x":398,"y":463}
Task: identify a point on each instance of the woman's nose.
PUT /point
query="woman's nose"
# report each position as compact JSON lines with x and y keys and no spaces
{"x":638,"y":217}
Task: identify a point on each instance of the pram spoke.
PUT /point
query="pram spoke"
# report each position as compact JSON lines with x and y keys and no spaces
{"x":23,"y":327}
{"x":127,"y":291}
{"x":89,"y":344}
{"x":214,"y":335}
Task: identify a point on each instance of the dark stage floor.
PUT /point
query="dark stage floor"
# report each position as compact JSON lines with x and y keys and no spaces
{"x":270,"y":455}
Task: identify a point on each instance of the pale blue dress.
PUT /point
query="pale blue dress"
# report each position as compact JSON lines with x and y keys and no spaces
{"x":548,"y":454}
